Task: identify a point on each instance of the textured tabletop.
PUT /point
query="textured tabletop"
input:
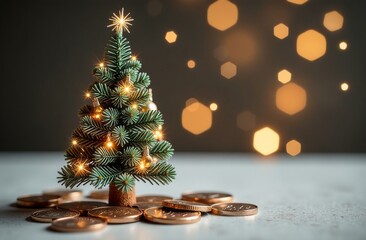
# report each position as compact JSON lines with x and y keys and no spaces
{"x":308,"y":197}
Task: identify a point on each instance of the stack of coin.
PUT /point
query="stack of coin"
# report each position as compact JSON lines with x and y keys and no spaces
{"x":168,"y":216}
{"x":82,"y":206}
{"x":147,"y":201}
{"x":48,"y":215}
{"x":208,"y":197}
{"x":114,"y":214}
{"x":38,"y":201}
{"x":78,"y":224}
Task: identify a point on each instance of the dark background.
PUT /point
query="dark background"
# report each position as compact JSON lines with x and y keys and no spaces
{"x":49,"y":48}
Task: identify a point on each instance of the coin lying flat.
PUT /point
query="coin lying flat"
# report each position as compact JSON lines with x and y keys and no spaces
{"x":99,"y":194}
{"x":48,"y":215}
{"x":234,"y":209}
{"x":36,"y":201}
{"x":208,"y":197}
{"x":169,"y":216}
{"x":82,"y":206}
{"x":78,"y":224}
{"x":152,"y":198}
{"x":186,"y":205}
{"x":114,"y":214}
{"x":145,"y":205}
{"x":65,"y":194}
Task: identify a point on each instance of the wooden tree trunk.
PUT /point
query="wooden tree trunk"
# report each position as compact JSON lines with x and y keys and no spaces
{"x":119,"y":198}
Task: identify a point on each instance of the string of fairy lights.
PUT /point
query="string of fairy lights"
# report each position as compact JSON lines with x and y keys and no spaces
{"x":120,"y":23}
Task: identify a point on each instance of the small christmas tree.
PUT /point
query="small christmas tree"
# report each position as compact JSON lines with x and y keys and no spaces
{"x":120,"y":135}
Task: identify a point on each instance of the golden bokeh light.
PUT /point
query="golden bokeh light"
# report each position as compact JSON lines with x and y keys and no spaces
{"x":171,"y":37}
{"x":343,"y":45}
{"x":344,"y":87}
{"x":101,"y":64}
{"x":298,"y":2}
{"x":190,"y":101}
{"x":291,"y":98}
{"x":284,"y":76}
{"x":311,"y":45}
{"x":191,"y":63}
{"x":222,"y":14}
{"x":74,"y":142}
{"x":280,"y":31}
{"x":333,"y":21}
{"x":266,"y":141}
{"x":196,"y":118}
{"x":246,"y":120}
{"x":213,"y":107}
{"x":293,"y":147}
{"x":228,"y":70}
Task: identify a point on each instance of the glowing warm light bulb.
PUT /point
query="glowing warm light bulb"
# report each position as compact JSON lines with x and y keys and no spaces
{"x":81,"y":167}
{"x":343,"y":45}
{"x":160,"y":127}
{"x":158,"y":135}
{"x":213,"y":106}
{"x":133,"y":58}
{"x":101,"y":64}
{"x":74,"y":142}
{"x":142,"y":166}
{"x":134,"y":106}
{"x":109,"y":143}
{"x":87,"y":95}
{"x":191,"y":64}
{"x":344,"y":87}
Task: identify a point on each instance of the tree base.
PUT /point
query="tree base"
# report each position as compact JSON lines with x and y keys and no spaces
{"x":119,"y":198}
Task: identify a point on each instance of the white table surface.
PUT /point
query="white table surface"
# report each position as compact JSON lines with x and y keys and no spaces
{"x":309,"y":197}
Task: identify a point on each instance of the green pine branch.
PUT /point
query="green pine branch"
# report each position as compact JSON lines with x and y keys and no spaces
{"x":129,"y":115}
{"x":110,"y":117}
{"x":86,"y":140}
{"x":139,"y":96}
{"x":124,"y":182}
{"x":68,"y":178}
{"x":103,"y":74}
{"x":117,"y":53}
{"x":141,"y":139}
{"x":162,"y":150}
{"x":142,"y":80}
{"x":120,"y":135}
{"x":133,"y":64}
{"x":148,"y":120}
{"x":74,"y":153}
{"x":102,"y":176}
{"x":104,"y":156}
{"x":160,"y":173}
{"x":131,"y":156}
{"x":93,"y":127}
{"x":118,"y":98}
{"x":101,"y":91}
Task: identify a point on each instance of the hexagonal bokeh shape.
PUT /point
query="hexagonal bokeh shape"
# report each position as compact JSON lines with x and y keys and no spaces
{"x":284,"y":76}
{"x":228,"y":70}
{"x":171,"y":37}
{"x":266,"y":141}
{"x":196,"y":118}
{"x":298,"y":2}
{"x":291,"y":98}
{"x":293,"y":147}
{"x":280,"y":31}
{"x":333,"y":21}
{"x":311,"y":45}
{"x":222,"y":14}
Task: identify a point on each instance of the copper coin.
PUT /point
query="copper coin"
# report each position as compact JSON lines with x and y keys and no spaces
{"x":114,"y":214}
{"x":145,"y":205}
{"x":186,"y":205}
{"x":234,"y":209}
{"x":99,"y":194}
{"x":170,"y":216}
{"x":152,"y":198}
{"x":36,"y":201}
{"x":48,"y":215}
{"x":208,"y":197}
{"x":78,"y":224}
{"x":82,"y":206}
{"x":67,"y":195}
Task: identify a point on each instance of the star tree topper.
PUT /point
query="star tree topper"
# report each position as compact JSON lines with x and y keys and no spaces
{"x":120,"y":22}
